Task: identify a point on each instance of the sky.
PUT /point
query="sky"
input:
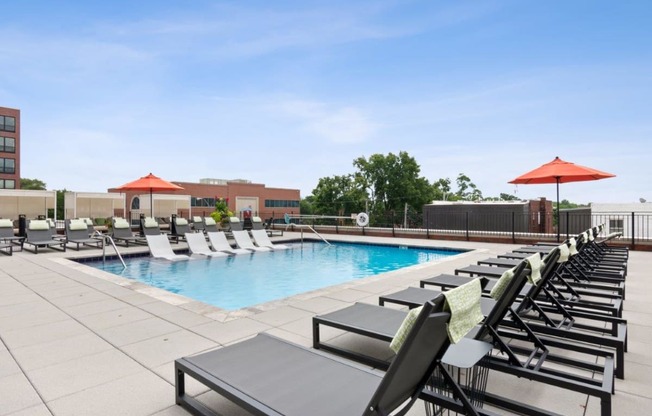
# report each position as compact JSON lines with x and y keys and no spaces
{"x":287,"y":92}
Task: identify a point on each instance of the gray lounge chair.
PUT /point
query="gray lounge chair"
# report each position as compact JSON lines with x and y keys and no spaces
{"x":77,"y":233}
{"x":262,"y":240}
{"x":381,"y":323}
{"x":235,"y":224}
{"x":179,"y":227}
{"x":197,"y":223}
{"x":7,"y":233}
{"x":257,"y":223}
{"x":39,"y":234}
{"x":220,"y":243}
{"x":150,"y":226}
{"x":6,"y":248}
{"x":122,"y":232}
{"x":198,"y":245}
{"x":253,"y":373}
{"x":210,"y":226}
{"x":159,"y":247}
{"x":242,"y":240}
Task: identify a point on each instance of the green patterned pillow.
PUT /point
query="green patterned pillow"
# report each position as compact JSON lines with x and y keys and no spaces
{"x":535,"y":267}
{"x":182,"y":221}
{"x":209,"y":221}
{"x":501,"y":284}
{"x":6,"y":223}
{"x":404,"y":329}
{"x":464,"y":305}
{"x":150,"y":223}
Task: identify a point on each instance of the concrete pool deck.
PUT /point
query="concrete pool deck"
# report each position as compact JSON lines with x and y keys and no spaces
{"x":75,"y":342}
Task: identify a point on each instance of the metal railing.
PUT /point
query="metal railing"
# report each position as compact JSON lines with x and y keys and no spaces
{"x":636,"y":228}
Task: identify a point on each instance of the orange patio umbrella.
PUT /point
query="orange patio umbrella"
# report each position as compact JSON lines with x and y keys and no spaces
{"x":559,"y":171}
{"x":149,"y":183}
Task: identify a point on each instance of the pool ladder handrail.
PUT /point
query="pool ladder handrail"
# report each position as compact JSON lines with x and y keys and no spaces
{"x":105,"y":238}
{"x":302,"y":226}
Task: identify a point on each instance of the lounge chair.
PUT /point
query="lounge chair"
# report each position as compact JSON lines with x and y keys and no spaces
{"x":516,"y":358}
{"x":159,"y":247}
{"x":6,"y":248}
{"x":210,"y":226}
{"x":150,"y":226}
{"x":77,"y":233}
{"x":197,"y":223}
{"x":39,"y":234}
{"x":269,"y":376}
{"x":198,"y":245}
{"x":543,"y":314}
{"x":219,"y":243}
{"x":257,"y":223}
{"x":235,"y":224}
{"x":89,"y":224}
{"x":242,"y":240}
{"x":179,"y":227}
{"x":262,"y":240}
{"x":122,"y":232}
{"x":7,"y":233}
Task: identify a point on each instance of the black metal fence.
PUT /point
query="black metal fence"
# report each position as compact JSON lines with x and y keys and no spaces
{"x":635,"y":227}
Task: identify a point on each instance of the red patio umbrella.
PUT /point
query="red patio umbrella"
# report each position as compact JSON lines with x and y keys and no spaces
{"x":559,"y":171}
{"x":149,"y":183}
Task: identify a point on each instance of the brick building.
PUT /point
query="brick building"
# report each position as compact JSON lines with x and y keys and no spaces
{"x":9,"y":148}
{"x":242,"y":195}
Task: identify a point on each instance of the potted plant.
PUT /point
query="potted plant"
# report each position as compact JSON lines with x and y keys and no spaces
{"x":222,"y":213}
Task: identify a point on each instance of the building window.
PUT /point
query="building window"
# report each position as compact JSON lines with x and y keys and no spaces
{"x":202,"y":202}
{"x":616,"y":226}
{"x":7,"y":184}
{"x":135,"y":203}
{"x":7,"y":144}
{"x":7,"y":165}
{"x":8,"y":124}
{"x":281,"y":203}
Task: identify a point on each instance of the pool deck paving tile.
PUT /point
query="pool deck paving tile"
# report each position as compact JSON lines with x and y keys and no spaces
{"x":78,"y":341}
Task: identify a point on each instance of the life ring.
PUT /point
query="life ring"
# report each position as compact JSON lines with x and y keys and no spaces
{"x":362,"y":219}
{"x":286,"y":217}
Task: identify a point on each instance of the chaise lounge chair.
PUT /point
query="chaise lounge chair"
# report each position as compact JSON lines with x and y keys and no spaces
{"x":209,"y":225}
{"x":77,"y":233}
{"x":269,"y":376}
{"x":235,"y":224}
{"x":198,"y":245}
{"x":516,"y":358}
{"x":7,"y":234}
{"x":179,"y":227}
{"x":220,"y":243}
{"x":242,"y":240}
{"x":122,"y":232}
{"x":262,"y":240}
{"x":159,"y":247}
{"x":39,"y":234}
{"x":150,"y":226}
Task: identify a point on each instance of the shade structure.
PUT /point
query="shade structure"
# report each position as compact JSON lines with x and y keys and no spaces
{"x":149,"y":183}
{"x":559,"y":171}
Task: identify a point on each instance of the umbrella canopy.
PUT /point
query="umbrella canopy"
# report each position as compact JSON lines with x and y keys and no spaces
{"x":559,"y":171}
{"x":149,"y":183}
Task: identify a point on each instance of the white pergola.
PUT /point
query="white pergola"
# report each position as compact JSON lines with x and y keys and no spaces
{"x":165,"y":205}
{"x":92,"y":204}
{"x":14,"y":202}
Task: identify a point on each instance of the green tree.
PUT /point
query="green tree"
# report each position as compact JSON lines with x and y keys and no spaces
{"x":306,"y":205}
{"x":392,"y":181}
{"x":467,"y":190}
{"x":508,"y":197}
{"x":33,"y":184}
{"x":338,"y":195}
{"x":442,"y":189}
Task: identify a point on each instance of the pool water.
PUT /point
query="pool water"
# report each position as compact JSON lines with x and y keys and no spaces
{"x":239,"y":281}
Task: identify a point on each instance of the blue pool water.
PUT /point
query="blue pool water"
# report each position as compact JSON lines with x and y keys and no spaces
{"x":245,"y":280}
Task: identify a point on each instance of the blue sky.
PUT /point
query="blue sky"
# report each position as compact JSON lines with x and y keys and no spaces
{"x":284,"y":93}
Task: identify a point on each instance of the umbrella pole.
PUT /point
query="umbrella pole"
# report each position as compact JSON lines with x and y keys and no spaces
{"x":151,"y":204}
{"x":558,"y":223}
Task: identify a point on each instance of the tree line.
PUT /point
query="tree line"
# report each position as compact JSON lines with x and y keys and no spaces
{"x":383,"y":183}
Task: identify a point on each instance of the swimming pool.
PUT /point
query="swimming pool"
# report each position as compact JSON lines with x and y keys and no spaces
{"x":239,"y":281}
